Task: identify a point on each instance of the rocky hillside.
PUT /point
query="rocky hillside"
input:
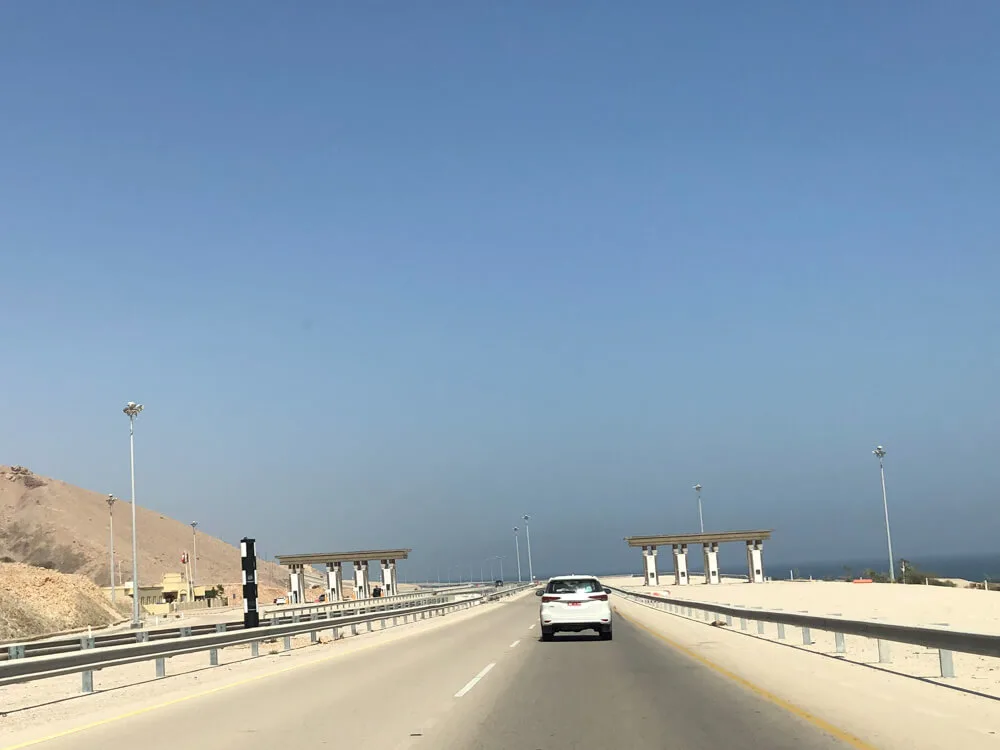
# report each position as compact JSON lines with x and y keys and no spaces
{"x":35,"y":601}
{"x":55,"y":525}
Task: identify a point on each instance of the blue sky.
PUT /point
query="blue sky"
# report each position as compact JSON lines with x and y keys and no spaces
{"x":397,"y":273}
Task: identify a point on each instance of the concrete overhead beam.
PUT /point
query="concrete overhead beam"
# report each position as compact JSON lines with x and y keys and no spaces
{"x":321,"y":558}
{"x":719,"y":537}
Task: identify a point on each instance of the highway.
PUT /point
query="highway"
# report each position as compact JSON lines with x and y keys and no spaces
{"x":486,"y":683}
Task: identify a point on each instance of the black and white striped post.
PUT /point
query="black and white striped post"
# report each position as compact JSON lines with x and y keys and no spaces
{"x":251,"y":617}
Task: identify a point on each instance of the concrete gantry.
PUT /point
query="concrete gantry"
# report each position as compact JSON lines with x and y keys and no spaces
{"x":335,"y":576}
{"x":710,"y":542}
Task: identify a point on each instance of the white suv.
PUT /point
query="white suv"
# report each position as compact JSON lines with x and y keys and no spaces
{"x":575,"y":603}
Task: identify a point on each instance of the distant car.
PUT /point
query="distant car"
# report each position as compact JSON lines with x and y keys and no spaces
{"x":498,"y":583}
{"x":572,"y":604}
{"x":280,"y":600}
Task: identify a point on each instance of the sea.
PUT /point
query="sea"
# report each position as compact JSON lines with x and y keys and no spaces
{"x":969,"y":567}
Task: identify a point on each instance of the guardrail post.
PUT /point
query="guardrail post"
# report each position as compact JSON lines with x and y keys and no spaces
{"x":16,"y":651}
{"x":838,"y":639}
{"x":186,"y":632}
{"x":729,"y":620}
{"x":781,"y":631}
{"x":142,"y":636}
{"x":161,"y":667}
{"x":336,"y":634}
{"x":946,"y":663}
{"x":87,"y":681}
{"x":255,"y":649}
{"x":884,"y":653}
{"x":394,"y":621}
{"x":354,"y":628}
{"x":760,"y":627}
{"x":806,"y":637}
{"x":288,"y":643}
{"x":369,"y":625}
{"x":743,"y":623}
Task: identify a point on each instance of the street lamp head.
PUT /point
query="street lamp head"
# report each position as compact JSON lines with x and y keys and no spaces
{"x":194,"y":524}
{"x":526,"y":518}
{"x":515,"y":529}
{"x":111,"y":500}
{"x":697,"y":488}
{"x":879,"y":452}
{"x":132,"y":409}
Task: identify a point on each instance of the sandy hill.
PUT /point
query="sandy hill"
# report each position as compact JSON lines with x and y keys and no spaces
{"x":52,"y":524}
{"x":36,"y":600}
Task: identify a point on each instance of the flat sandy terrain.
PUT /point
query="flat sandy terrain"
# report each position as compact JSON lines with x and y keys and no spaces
{"x":925,"y":606}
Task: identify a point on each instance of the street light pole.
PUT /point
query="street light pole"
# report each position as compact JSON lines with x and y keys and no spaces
{"x":517,"y":550}
{"x":111,"y":525}
{"x":132,"y":410}
{"x":194,"y":542}
{"x":501,"y":559}
{"x":527,"y":535}
{"x":879,"y":453}
{"x":701,"y":519}
{"x":482,"y":567}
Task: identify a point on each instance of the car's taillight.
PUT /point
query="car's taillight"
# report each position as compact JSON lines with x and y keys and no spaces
{"x":599,"y":597}
{"x":550,"y":598}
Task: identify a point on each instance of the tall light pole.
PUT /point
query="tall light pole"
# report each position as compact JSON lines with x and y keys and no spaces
{"x":701,"y":519}
{"x":194,"y":542}
{"x":517,"y":550}
{"x":111,"y":525}
{"x":879,"y":453}
{"x":482,"y":567}
{"x":527,"y":535}
{"x":133,"y":410}
{"x":501,"y":559}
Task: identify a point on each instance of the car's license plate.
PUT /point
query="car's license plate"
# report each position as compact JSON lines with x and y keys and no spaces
{"x":575,"y":604}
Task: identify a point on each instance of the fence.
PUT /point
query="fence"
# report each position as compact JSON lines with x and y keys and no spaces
{"x":86,"y":657}
{"x":947,"y":642}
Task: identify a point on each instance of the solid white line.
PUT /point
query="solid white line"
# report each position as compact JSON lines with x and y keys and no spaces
{"x":531,"y":626}
{"x":475,"y":680}
{"x":514,"y":643}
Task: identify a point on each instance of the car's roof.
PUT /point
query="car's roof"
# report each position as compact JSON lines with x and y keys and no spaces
{"x":573,"y":575}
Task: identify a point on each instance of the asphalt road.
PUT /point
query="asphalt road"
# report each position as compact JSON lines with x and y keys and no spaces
{"x":486,"y":683}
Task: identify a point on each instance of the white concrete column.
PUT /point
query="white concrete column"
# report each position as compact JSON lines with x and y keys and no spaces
{"x":389,"y":578}
{"x":649,"y":565}
{"x":362,"y":589}
{"x":681,"y":564}
{"x":334,"y":582}
{"x":710,"y":551}
{"x":297,"y":585}
{"x":755,"y":560}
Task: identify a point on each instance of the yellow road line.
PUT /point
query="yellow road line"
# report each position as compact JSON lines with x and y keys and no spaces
{"x":190,"y":697}
{"x":767,"y":695}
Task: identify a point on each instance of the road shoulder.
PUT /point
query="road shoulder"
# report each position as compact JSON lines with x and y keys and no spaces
{"x":885,"y":710}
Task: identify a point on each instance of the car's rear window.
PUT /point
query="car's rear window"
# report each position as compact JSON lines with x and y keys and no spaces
{"x":574,"y":586}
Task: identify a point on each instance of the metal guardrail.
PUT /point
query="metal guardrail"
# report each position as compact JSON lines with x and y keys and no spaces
{"x":280,"y":610}
{"x":947,"y":642}
{"x":87,"y":659}
{"x":272,"y":617}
